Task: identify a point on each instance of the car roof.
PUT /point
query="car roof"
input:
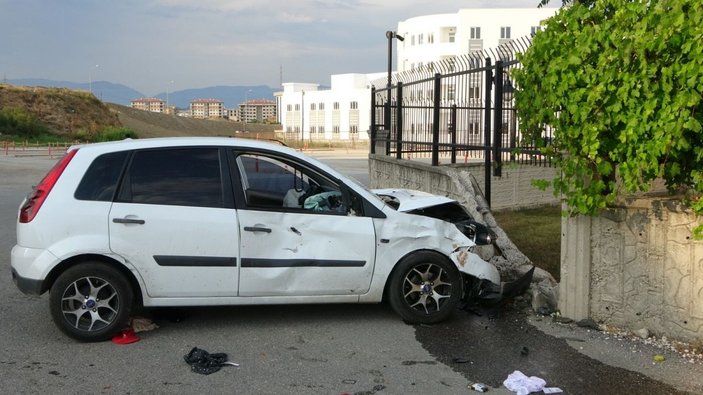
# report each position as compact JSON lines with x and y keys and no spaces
{"x":130,"y":144}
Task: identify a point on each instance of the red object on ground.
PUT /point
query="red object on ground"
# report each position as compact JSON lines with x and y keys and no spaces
{"x":127,"y":336}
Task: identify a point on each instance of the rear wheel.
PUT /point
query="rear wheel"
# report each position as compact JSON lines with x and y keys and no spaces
{"x":425,"y":288}
{"x":91,"y":301}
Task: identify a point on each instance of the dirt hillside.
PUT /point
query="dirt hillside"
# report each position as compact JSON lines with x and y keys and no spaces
{"x":148,"y":124}
{"x":65,"y":111}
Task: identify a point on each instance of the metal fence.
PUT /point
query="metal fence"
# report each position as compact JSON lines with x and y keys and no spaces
{"x":459,"y":109}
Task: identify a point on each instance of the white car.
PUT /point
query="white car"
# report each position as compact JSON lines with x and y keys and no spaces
{"x":220,"y":221}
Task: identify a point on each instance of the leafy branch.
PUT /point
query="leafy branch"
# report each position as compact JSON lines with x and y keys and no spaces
{"x":619,"y":84}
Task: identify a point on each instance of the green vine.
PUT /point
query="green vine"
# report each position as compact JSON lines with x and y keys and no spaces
{"x":619,"y":83}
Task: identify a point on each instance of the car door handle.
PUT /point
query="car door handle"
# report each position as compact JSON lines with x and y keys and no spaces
{"x":257,"y":229}
{"x":128,"y":221}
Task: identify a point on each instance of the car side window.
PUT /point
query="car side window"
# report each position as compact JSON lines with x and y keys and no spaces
{"x":277,"y":184}
{"x":178,"y":176}
{"x":100,"y":180}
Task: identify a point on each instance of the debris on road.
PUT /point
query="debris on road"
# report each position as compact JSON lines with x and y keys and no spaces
{"x":659,"y":358}
{"x":203,"y":362}
{"x":127,"y":336}
{"x":478,"y":387}
{"x":519,"y":383}
{"x":141,"y":324}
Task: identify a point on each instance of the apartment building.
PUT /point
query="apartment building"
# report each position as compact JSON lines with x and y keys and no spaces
{"x":207,"y":108}
{"x":151,"y":104}
{"x":257,"y":111}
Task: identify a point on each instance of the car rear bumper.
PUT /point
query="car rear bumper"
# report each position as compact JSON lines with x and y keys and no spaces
{"x":30,"y":267}
{"x":27,"y":285}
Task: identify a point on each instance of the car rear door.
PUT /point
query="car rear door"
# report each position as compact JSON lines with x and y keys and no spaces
{"x":297,"y":245}
{"x":174,"y":221}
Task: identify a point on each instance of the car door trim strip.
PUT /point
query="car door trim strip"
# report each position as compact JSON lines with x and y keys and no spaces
{"x":200,"y":261}
{"x":260,"y":263}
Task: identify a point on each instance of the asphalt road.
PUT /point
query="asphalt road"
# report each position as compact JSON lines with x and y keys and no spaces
{"x":316,"y":349}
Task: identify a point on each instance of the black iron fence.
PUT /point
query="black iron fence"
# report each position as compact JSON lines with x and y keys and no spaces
{"x":457,"y":110}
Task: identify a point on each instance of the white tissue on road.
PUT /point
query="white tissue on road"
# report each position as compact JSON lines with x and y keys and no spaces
{"x":522,"y":385}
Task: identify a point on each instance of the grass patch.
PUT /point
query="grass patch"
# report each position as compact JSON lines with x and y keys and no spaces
{"x":537,"y":233}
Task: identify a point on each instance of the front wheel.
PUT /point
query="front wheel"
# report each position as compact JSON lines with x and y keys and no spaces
{"x":91,"y":301}
{"x":425,"y":288}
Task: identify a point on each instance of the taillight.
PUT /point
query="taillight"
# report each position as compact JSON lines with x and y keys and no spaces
{"x":31,"y":207}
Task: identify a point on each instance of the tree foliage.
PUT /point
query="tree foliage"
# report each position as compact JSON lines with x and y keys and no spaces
{"x":619,"y":82}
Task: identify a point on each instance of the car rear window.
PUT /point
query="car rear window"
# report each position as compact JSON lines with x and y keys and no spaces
{"x":180,"y":176}
{"x":100,"y":180}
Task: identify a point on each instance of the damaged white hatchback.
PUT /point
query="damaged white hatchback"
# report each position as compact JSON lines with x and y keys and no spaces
{"x":218,"y":221}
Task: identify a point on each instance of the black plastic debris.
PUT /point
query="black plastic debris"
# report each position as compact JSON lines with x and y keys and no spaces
{"x":203,"y":362}
{"x":524,"y":351}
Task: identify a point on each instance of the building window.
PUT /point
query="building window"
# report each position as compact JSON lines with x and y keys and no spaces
{"x":321,"y":129}
{"x":451,"y":89}
{"x":475,"y":32}
{"x":335,"y":129}
{"x":505,"y":32}
{"x":535,"y":29}
{"x":354,"y":105}
{"x":474,"y":92}
{"x":354,"y":129}
{"x":452,"y":37}
{"x":297,"y":107}
{"x":474,"y":128}
{"x":312,"y":106}
{"x":420,"y":39}
{"x":321,"y":106}
{"x":335,"y":105}
{"x":412,"y":40}
{"x":430,"y":38}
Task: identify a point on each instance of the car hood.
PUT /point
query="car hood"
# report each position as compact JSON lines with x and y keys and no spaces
{"x":406,"y":200}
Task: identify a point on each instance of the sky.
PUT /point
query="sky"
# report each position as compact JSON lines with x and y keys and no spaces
{"x":155,"y":46}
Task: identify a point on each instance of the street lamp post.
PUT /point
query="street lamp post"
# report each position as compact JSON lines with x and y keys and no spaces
{"x":90,"y":78}
{"x":302,"y":119}
{"x":167,"y":89}
{"x":244,"y":114}
{"x":390,"y":35}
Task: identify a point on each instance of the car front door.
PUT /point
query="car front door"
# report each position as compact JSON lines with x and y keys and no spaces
{"x":298,"y":237}
{"x":174,"y":221}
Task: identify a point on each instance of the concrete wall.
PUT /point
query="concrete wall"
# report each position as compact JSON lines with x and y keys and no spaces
{"x":635,"y":266}
{"x":513,"y":190}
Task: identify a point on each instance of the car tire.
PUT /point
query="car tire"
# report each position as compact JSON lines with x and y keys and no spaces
{"x":91,"y":301}
{"x":425,"y":288}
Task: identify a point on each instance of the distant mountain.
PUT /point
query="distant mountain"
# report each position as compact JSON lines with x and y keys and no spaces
{"x":231,"y":96}
{"x":103,"y":90}
{"x":110,"y":92}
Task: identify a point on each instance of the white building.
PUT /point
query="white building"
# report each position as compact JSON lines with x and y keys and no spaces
{"x":432,"y":38}
{"x":344,"y":111}
{"x":340,"y":113}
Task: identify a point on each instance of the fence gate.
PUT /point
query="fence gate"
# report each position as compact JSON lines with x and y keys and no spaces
{"x":442,"y":115}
